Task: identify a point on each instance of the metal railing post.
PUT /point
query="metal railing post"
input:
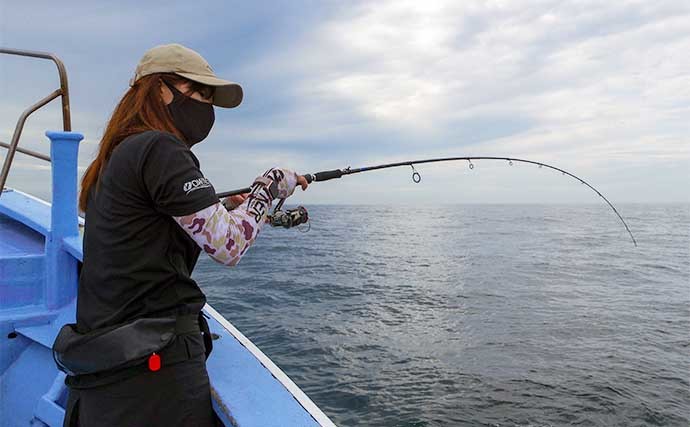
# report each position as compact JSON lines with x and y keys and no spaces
{"x":63,"y":92}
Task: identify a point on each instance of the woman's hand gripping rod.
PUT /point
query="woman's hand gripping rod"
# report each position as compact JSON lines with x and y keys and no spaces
{"x":279,"y":218}
{"x":318,"y":176}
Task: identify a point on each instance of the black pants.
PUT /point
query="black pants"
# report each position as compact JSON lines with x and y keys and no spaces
{"x":178,"y":395}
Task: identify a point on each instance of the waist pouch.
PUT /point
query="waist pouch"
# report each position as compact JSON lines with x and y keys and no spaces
{"x":117,"y":346}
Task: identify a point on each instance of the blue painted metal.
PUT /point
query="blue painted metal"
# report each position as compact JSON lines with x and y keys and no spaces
{"x":251,"y":394}
{"x":40,"y":248}
{"x":24,"y":383}
{"x":48,"y":408}
{"x":16,"y":239}
{"x":26,"y":211}
{"x":21,"y":265}
{"x":74,"y":245}
{"x":61,"y":267}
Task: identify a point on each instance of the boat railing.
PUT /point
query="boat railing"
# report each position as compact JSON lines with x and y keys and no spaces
{"x":62,"y":92}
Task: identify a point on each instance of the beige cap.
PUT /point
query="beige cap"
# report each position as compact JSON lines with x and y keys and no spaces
{"x":180,"y":60}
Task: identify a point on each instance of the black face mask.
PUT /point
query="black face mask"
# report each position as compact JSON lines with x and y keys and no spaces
{"x":194,"y":119}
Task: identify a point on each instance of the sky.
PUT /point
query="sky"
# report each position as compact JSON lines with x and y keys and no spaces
{"x":600,"y":89}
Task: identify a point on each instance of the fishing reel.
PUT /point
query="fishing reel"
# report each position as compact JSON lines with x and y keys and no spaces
{"x":289,"y":218}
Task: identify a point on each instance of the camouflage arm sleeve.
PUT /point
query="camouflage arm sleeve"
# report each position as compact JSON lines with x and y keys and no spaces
{"x":226,"y":236}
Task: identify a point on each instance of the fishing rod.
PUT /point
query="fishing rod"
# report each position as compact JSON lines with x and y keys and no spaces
{"x":292,"y":217}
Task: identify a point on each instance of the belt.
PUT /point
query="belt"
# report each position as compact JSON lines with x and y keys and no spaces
{"x":179,"y":350}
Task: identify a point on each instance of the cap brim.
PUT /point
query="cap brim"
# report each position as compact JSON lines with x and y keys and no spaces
{"x":227,"y":94}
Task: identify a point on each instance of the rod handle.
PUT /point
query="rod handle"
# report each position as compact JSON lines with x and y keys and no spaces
{"x":326,"y":175}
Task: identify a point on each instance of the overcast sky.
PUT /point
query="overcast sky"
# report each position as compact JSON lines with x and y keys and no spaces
{"x":598,"y":88}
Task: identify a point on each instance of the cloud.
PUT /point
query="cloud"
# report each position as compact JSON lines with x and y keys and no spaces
{"x":598,"y":88}
{"x":425,"y":65}
{"x":590,"y":84}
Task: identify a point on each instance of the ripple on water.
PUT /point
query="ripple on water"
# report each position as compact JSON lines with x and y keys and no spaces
{"x":473,"y":315}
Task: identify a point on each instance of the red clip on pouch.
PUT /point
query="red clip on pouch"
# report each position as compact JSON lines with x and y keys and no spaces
{"x":154,"y":362}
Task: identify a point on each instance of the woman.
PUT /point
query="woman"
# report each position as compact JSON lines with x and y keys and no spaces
{"x":149,"y":213}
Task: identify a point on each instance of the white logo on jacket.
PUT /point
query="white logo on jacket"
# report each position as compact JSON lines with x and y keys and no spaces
{"x":196,"y":184}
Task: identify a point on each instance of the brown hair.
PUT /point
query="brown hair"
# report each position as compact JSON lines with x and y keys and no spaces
{"x":140,"y":109}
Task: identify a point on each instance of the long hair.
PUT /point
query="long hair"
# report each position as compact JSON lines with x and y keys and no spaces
{"x":140,"y":109}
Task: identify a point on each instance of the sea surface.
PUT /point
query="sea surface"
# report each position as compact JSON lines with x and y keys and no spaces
{"x":497,"y":315}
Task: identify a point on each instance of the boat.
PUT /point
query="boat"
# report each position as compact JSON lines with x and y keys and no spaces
{"x":40,"y":257}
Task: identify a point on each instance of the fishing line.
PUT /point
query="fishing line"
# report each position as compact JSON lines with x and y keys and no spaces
{"x":417,"y":178}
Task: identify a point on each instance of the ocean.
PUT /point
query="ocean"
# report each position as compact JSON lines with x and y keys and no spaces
{"x":496,"y":315}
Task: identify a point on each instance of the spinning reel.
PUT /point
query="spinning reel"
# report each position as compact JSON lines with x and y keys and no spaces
{"x":289,"y":218}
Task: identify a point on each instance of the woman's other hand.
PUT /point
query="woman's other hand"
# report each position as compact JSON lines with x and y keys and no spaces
{"x":232,"y":202}
{"x":302,"y":181}
{"x":281,"y":182}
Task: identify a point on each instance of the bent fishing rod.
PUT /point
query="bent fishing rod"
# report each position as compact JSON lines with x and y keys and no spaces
{"x":299,"y":216}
